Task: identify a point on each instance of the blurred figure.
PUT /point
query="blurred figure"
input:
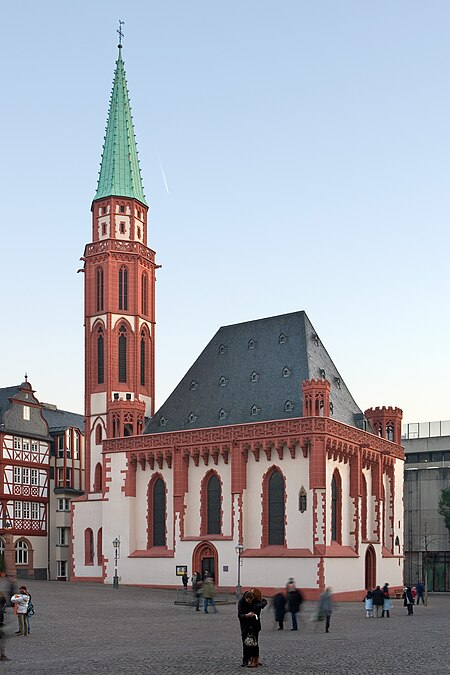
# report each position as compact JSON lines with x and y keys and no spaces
{"x":197,"y":589}
{"x":295,"y":599}
{"x":326,"y":608}
{"x":377,"y":597}
{"x":387,"y":602}
{"x":368,"y":604}
{"x":209,"y":592}
{"x":258,"y":604}
{"x":420,"y":588}
{"x":279,"y":605}
{"x":408,"y":600}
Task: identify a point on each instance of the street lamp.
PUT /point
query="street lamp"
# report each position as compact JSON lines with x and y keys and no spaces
{"x":116,"y":544}
{"x":239,"y":548}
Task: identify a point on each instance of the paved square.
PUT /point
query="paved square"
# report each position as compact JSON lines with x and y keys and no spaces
{"x":89,"y":628}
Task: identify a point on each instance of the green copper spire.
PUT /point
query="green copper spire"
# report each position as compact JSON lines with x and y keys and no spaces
{"x":120,"y":174}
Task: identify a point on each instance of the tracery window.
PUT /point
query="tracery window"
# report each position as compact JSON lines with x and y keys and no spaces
{"x":157,"y":513}
{"x":122,"y":354}
{"x":336,"y":508}
{"x":100,"y":357}
{"x":276,"y":515}
{"x":99,"y":289}
{"x":144,"y":295}
{"x":143,"y":358}
{"x":213,"y":494}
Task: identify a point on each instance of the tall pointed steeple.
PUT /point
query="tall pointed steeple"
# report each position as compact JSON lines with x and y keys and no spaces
{"x":120,"y":174}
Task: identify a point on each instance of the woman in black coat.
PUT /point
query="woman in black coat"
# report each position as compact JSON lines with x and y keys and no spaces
{"x":279,"y":605}
{"x":408,"y":600}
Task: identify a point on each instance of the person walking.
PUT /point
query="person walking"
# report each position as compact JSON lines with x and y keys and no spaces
{"x":185,"y":580}
{"x":408,"y":600}
{"x":326,"y":608}
{"x":387,"y":602}
{"x":295,"y":599}
{"x":368,"y":604}
{"x":197,"y":589}
{"x":21,"y":600}
{"x":2,"y":608}
{"x":377,"y":596}
{"x":209,"y":593}
{"x":279,"y":605}
{"x":420,"y":588}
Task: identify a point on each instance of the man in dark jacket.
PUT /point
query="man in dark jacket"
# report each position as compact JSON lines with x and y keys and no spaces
{"x":295,"y":599}
{"x":377,"y":597}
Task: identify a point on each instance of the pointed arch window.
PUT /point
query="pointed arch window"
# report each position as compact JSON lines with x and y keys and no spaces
{"x":157,"y":513}
{"x":363,"y":508}
{"x":100,"y":357}
{"x":336,"y":508}
{"x":143,"y":358}
{"x":99,"y":289}
{"x":144,"y":295}
{"x":214,"y":498}
{"x":100,"y":546}
{"x":123,"y":288}
{"x":276,"y":515}
{"x":122,"y":354}
{"x":98,"y":480}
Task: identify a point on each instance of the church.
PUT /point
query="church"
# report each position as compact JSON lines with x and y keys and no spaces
{"x":260,"y":465}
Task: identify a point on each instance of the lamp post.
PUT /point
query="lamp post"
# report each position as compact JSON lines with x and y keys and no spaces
{"x":239,"y":548}
{"x":116,"y":544}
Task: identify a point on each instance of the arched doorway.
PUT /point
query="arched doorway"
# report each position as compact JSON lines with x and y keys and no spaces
{"x":205,"y":560}
{"x":370,"y":568}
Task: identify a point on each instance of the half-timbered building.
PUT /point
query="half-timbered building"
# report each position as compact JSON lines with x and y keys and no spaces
{"x":261,"y":448}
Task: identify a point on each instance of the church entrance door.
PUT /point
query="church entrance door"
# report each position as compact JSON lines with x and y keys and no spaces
{"x":371,"y":570}
{"x":205,"y":560}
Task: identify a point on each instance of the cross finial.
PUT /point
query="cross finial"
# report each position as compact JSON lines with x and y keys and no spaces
{"x":119,"y":30}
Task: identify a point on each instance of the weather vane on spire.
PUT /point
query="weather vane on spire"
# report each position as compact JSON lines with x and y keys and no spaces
{"x":119,"y":30}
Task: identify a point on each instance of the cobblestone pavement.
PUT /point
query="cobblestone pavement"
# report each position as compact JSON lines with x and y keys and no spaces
{"x":89,"y":628}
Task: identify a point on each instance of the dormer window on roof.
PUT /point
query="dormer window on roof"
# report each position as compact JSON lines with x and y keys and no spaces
{"x":286,"y":372}
{"x":315,"y":338}
{"x":254,"y":410}
{"x":222,"y":414}
{"x":288,"y":407}
{"x":282,"y":338}
{"x":223,"y":381}
{"x":194,"y":385}
{"x":191,"y":417}
{"x":338,"y":382}
{"x":222,"y":349}
{"x":322,"y":373}
{"x":162,"y":421}
{"x":251,"y":344}
{"x":254,"y":377}
{"x":331,"y":407}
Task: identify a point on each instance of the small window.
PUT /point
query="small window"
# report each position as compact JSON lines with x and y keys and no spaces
{"x":122,"y":208}
{"x":162,"y":421}
{"x":17,"y":443}
{"x":194,"y":385}
{"x":322,"y":373}
{"x":34,"y":446}
{"x":222,"y":414}
{"x":21,"y":549}
{"x":17,"y":475}
{"x":34,"y":477}
{"x":122,"y":228}
{"x":35,"y":510}
{"x":222,"y":349}
{"x":26,"y":475}
{"x":302,"y":500}
{"x":286,"y":372}
{"x":223,"y":381}
{"x":288,"y":406}
{"x":254,"y":410}
{"x":63,"y":504}
{"x":254,"y":377}
{"x":282,"y":338}
{"x":138,"y":214}
{"x":251,"y":344}
{"x":139,"y":233}
{"x":26,"y":412}
{"x":62,"y":536}
{"x":103,"y":209}
{"x":103,"y":229}
{"x":26,"y":445}
{"x":192,"y":417}
{"x":331,"y":407}
{"x":62,"y":569}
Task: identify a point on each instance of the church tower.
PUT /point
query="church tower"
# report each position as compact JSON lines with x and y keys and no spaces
{"x":119,"y":293}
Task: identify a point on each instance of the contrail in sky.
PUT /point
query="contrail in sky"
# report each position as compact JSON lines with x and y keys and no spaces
{"x":164,"y":177}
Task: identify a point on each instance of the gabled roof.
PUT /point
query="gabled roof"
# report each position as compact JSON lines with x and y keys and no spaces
{"x":60,"y":420}
{"x":12,"y":420}
{"x":253,"y":372}
{"x":120,"y":174}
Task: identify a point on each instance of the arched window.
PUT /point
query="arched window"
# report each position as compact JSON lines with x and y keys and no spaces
{"x":213,"y":494}
{"x":100,"y":357}
{"x":88,"y":547}
{"x":100,"y":546}
{"x":144,"y":295}
{"x":122,"y":354}
{"x":98,"y":434}
{"x":363,"y":508}
{"x":302,"y":500}
{"x":98,"y":478}
{"x":123,"y":288}
{"x":157,"y":513}
{"x":99,"y":289}
{"x":128,"y":430}
{"x":21,"y":550}
{"x":143,"y":359}
{"x":336,"y":508}
{"x":276,"y":509}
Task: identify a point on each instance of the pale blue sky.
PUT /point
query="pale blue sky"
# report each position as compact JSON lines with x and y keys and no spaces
{"x":306,"y":147}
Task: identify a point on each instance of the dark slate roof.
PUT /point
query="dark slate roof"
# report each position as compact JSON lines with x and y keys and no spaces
{"x":11,"y":414}
{"x":253,"y":372}
{"x":60,"y":420}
